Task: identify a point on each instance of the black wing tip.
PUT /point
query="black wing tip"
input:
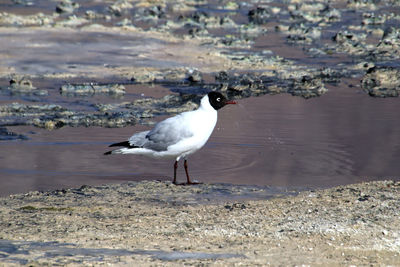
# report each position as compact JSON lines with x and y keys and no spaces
{"x":124,"y":143}
{"x":108,"y":153}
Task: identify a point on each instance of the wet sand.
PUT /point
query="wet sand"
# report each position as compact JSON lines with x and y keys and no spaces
{"x":159,"y":224}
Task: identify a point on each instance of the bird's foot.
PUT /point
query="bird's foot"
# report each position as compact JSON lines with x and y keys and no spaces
{"x":193,"y":182}
{"x":188,"y":183}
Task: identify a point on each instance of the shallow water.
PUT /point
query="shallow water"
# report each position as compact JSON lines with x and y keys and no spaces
{"x":17,"y":251}
{"x":277,"y":140}
{"x":343,"y":137}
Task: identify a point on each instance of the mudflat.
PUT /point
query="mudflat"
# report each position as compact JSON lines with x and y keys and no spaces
{"x":157,"y":223}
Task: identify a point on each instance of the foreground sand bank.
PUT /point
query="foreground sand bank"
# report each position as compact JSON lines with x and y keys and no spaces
{"x":156,"y":223}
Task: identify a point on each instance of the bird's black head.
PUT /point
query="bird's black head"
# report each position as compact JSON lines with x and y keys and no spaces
{"x":217,"y":100}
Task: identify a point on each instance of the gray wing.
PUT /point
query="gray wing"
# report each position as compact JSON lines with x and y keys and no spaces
{"x":164,"y":134}
{"x":138,"y":139}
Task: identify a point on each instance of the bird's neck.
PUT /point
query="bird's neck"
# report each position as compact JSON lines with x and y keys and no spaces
{"x":205,"y":104}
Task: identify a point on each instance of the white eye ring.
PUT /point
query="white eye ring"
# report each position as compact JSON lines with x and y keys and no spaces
{"x":218,"y":99}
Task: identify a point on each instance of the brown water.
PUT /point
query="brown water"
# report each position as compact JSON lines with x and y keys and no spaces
{"x":340,"y":138}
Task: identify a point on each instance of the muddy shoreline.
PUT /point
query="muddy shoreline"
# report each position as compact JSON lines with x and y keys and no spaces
{"x":157,"y":223}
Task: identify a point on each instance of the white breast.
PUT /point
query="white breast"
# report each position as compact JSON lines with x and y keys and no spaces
{"x":201,"y":123}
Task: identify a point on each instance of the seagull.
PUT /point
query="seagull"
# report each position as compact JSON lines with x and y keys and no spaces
{"x":179,"y":136}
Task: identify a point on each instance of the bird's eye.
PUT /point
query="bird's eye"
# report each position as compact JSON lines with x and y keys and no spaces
{"x":218,"y":99}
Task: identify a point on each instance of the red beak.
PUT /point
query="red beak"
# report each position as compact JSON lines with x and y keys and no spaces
{"x":230,"y":102}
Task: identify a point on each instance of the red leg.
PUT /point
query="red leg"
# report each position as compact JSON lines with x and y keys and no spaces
{"x":187,"y":174}
{"x":175,"y":167}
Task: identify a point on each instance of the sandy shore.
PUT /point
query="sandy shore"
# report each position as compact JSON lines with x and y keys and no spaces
{"x":157,"y":223}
